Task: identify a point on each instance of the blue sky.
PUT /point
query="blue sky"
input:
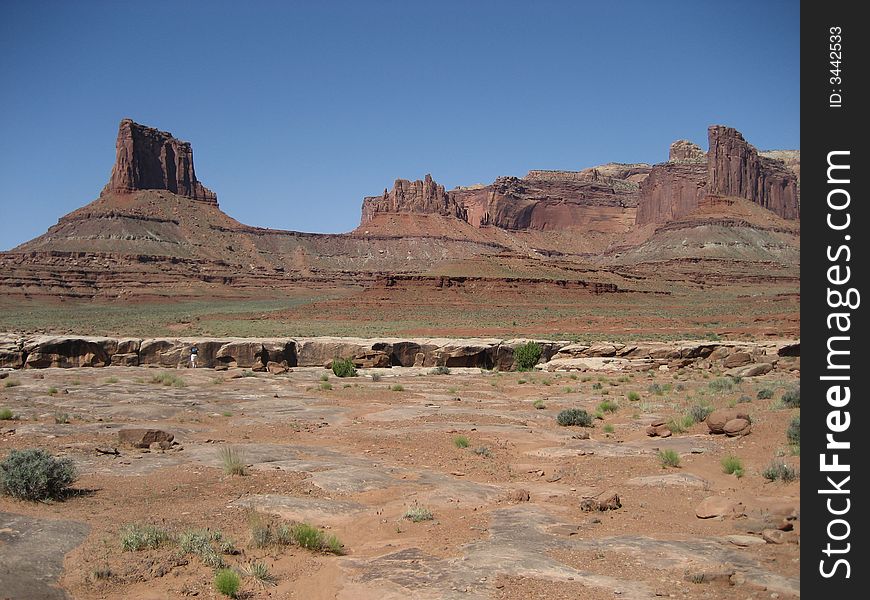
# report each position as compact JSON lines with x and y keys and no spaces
{"x":296,"y":110}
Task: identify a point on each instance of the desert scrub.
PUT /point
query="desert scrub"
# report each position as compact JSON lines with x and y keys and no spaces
{"x":779,"y":470}
{"x":700,"y":412}
{"x":539,"y":404}
{"x":527,"y":356}
{"x":722,"y":384}
{"x":168,"y":379}
{"x":793,"y":433}
{"x":52,"y":391}
{"x":681,"y":424}
{"x":669,"y":458}
{"x":483,"y":451}
{"x":415,"y":514}
{"x":112,"y":380}
{"x":324,"y":377}
{"x":325,"y":386}
{"x":732,"y":466}
{"x":608,"y":428}
{"x":61,"y":418}
{"x":376,"y":376}
{"x":311,"y":538}
{"x":6,"y":414}
{"x":574,"y":416}
{"x":199,"y":543}
{"x":227,"y":582}
{"x":34,"y":474}
{"x":138,"y":536}
{"x":791,"y":399}
{"x":398,"y":387}
{"x":343,"y":367}
{"x":633,"y":396}
{"x":440,"y":370}
{"x":597,"y":386}
{"x":460,"y":441}
{"x":260,"y":572}
{"x":608,"y":406}
{"x":11,"y":383}
{"x":764,"y":394}
{"x":232,"y":461}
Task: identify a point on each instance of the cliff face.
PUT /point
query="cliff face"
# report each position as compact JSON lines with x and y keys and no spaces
{"x":601,"y":199}
{"x":150,"y":159}
{"x":418,"y":196}
{"x":732,"y":167}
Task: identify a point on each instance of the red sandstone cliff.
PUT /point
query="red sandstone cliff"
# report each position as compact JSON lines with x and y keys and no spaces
{"x":418,"y":196}
{"x":732,"y":167}
{"x":150,"y":159}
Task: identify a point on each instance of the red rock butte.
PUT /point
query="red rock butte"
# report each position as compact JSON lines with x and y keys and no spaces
{"x":150,"y":159}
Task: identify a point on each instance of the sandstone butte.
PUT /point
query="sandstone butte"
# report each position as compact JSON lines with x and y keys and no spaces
{"x":156,"y":227}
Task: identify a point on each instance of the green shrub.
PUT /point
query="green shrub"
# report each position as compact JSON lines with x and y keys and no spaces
{"x":61,"y":418}
{"x":658,"y":389}
{"x":227,"y":582}
{"x":311,"y":538}
{"x":52,"y":391}
{"x":440,"y":370}
{"x":112,"y":380}
{"x":700,"y":412}
{"x":415,"y":514}
{"x":633,"y":396}
{"x":793,"y":433}
{"x":460,"y":441}
{"x":168,"y":379}
{"x":608,"y":428}
{"x":764,"y":394}
{"x":732,"y":466}
{"x":539,"y":404}
{"x":232,"y":461}
{"x":343,"y":367}
{"x":597,"y":386}
{"x":136,"y":537}
{"x":669,"y":458}
{"x":608,"y":406}
{"x":527,"y":356}
{"x":11,"y":383}
{"x":34,"y":474}
{"x":792,"y":398}
{"x":398,"y":387}
{"x":325,"y":386}
{"x":779,"y":470}
{"x":6,"y":414}
{"x":574,"y":416}
{"x":376,"y":377}
{"x":681,"y":424}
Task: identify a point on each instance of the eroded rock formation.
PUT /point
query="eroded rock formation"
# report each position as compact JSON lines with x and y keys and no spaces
{"x":732,"y":167}
{"x":418,"y":196}
{"x":150,"y":159}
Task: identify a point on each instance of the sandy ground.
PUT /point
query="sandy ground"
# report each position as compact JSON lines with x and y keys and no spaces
{"x":353,"y":459}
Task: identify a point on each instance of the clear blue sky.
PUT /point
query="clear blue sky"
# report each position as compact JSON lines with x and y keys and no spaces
{"x":296,"y":110}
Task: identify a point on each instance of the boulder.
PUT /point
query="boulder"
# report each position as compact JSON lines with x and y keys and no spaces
{"x":163,"y":352}
{"x":719,"y":507}
{"x":751,"y":370}
{"x":738,"y":359}
{"x":371,"y":359}
{"x":143,"y":438}
{"x":316,"y":352}
{"x":276,"y":368}
{"x":130,"y":359}
{"x":419,"y":359}
{"x":11,"y":353}
{"x":660,"y":430}
{"x":717,"y":419}
{"x":736,"y":427}
{"x":603,"y":501}
{"x":519,"y":495}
